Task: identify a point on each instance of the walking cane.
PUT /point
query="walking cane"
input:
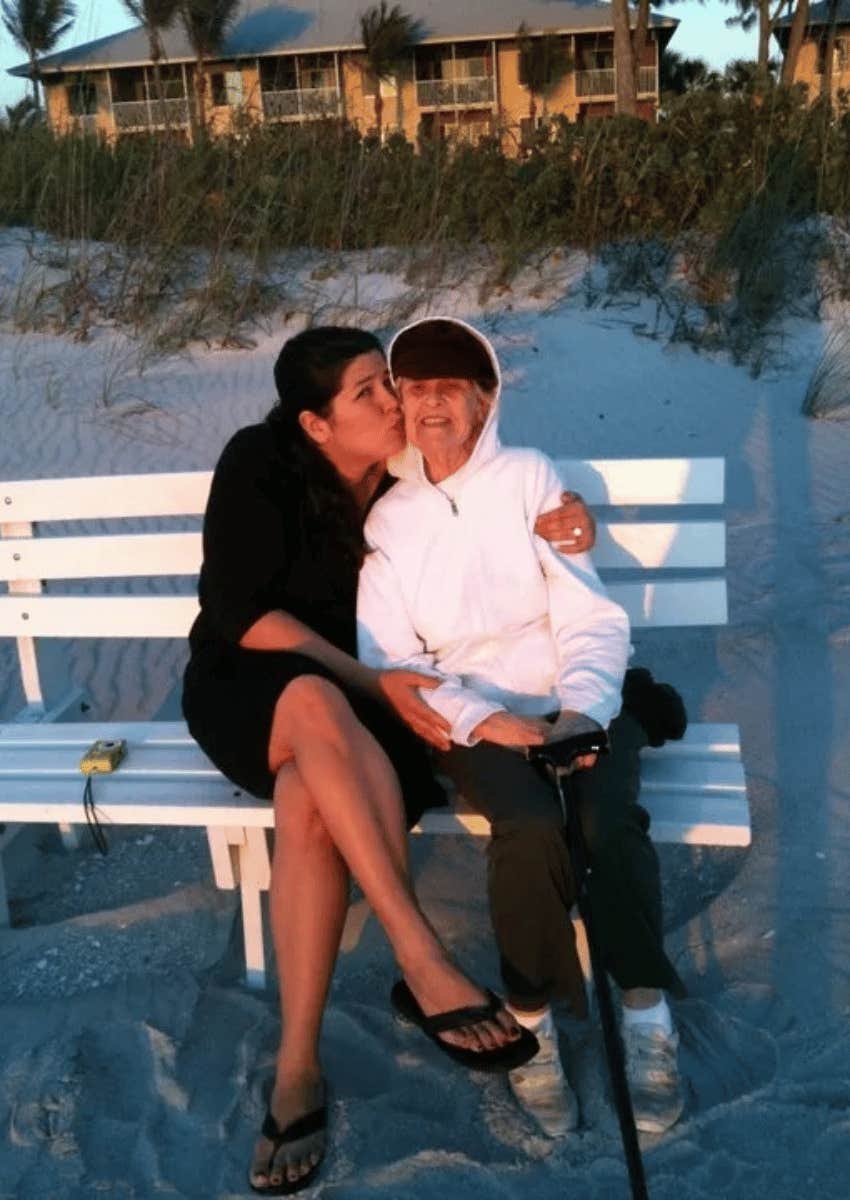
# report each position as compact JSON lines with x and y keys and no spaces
{"x":558,"y":757}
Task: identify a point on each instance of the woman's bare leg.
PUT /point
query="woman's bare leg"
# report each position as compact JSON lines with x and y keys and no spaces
{"x":354,"y":787}
{"x":337,"y":804}
{"x":308,"y":898}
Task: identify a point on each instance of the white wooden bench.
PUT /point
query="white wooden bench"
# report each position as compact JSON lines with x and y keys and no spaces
{"x":666,"y":572}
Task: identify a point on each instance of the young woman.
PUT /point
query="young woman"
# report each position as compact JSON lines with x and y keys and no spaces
{"x":276,"y":697}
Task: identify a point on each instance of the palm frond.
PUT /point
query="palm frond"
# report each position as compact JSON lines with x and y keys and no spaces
{"x":207,"y":22}
{"x":388,"y":36}
{"x":153,"y":14}
{"x":37,"y":25}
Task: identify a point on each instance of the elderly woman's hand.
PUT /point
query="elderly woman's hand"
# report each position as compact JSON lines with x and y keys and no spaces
{"x":570,"y":528}
{"x":504,"y":729}
{"x":568,"y":723}
{"x":400,"y":689}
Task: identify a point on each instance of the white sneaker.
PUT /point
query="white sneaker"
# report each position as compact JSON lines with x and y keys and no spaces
{"x":541,"y":1089}
{"x":652,"y":1070}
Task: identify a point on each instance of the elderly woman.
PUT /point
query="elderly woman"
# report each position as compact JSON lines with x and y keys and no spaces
{"x":526,"y":646}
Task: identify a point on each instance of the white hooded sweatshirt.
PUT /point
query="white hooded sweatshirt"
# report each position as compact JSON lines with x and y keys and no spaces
{"x":457,"y":585}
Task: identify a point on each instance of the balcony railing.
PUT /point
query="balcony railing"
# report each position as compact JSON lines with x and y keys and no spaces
{"x":301,"y":102}
{"x":603,"y":82}
{"x":150,"y":114}
{"x":455,"y":93}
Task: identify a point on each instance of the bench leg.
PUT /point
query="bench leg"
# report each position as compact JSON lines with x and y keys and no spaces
{"x":70,"y":835}
{"x":254,"y":876}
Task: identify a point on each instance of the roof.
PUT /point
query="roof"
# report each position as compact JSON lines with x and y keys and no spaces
{"x":819,"y":14}
{"x":264,"y":27}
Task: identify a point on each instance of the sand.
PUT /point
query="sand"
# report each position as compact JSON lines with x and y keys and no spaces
{"x":132,"y":1060}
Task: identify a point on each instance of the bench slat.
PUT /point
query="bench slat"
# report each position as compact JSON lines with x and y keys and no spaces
{"x":59,"y":766}
{"x":129,"y":555}
{"x":654,"y":481}
{"x":651,"y":544}
{"x":661,"y":603}
{"x":601,"y":481}
{"x":712,"y":820}
{"x":159,"y":494}
{"x":700,"y":738}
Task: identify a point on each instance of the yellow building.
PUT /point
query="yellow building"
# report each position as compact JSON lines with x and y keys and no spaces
{"x":812,"y":60}
{"x":304,"y":60}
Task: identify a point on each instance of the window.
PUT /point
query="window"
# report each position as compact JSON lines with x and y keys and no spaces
{"x":171,"y":82}
{"x":82,"y":96}
{"x":226,"y":89}
{"x":317,"y":71}
{"x":596,"y":54}
{"x":471,"y":61}
{"x":278,"y":74}
{"x":128,"y":85}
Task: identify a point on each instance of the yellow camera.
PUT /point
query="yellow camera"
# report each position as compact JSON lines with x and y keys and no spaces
{"x":103,"y":756}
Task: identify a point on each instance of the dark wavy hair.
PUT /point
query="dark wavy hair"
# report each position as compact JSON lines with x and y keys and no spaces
{"x":308,"y":374}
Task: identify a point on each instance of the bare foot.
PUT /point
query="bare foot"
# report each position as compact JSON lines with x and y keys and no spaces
{"x":296,"y":1098}
{"x":440,"y":987}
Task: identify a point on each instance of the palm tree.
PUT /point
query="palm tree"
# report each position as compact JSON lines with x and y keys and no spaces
{"x":829,"y":51}
{"x":22,"y":115}
{"x":36,"y":26}
{"x":795,"y":41}
{"x":543,"y":63}
{"x":388,"y":36}
{"x":155,"y":16}
{"x":624,"y":59}
{"x":749,"y":13}
{"x":207,"y":23}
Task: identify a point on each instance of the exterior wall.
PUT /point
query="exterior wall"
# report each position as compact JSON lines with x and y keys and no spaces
{"x":252,"y":100}
{"x":810,"y":60}
{"x":58,"y":110}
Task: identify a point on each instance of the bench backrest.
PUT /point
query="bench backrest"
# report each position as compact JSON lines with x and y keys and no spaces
{"x":663,"y":568}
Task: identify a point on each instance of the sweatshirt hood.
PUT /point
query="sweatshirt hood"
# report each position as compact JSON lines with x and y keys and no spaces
{"x":409,"y":463}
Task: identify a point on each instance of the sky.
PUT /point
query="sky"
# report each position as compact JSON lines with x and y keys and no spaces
{"x":702,"y":34}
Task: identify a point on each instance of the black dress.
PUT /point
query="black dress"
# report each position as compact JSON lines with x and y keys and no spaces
{"x":261,"y":553}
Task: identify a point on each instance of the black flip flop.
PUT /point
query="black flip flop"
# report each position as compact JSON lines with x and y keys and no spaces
{"x":503,"y":1058}
{"x":303,"y":1127}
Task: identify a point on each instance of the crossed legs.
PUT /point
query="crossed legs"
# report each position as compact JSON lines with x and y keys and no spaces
{"x":338,"y":810}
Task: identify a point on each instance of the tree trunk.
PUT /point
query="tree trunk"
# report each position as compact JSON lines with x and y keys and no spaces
{"x":795,"y":41}
{"x":624,"y":64}
{"x":829,"y":54}
{"x":765,"y":27}
{"x":379,"y":110}
{"x":34,"y":69}
{"x":532,"y":108}
{"x":200,"y":92}
{"x":640,"y":39}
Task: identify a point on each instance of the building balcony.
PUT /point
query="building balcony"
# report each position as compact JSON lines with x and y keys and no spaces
{"x":456,"y":93}
{"x":150,"y":114}
{"x":302,"y":102}
{"x":602,"y":83}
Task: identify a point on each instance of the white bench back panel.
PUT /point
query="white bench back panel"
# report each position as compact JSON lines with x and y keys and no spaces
{"x":656,"y":481}
{"x":651,"y":545}
{"x":680,"y":603}
{"x":152,"y":495}
{"x":601,"y":481}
